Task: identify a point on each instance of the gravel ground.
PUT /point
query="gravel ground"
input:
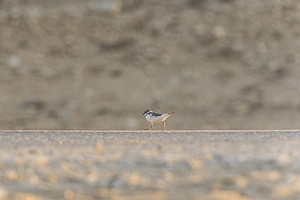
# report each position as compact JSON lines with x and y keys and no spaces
{"x":216,"y":165}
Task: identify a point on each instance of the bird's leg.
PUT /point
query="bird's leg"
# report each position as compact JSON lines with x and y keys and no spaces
{"x":164,"y":126}
{"x":150,"y":127}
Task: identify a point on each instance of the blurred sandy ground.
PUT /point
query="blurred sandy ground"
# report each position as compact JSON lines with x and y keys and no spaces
{"x":138,"y":165}
{"x":224,"y":64}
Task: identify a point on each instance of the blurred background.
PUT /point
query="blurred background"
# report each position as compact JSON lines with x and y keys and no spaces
{"x":98,"y":64}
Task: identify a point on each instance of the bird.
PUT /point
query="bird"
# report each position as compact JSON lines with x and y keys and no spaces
{"x":156,"y":117}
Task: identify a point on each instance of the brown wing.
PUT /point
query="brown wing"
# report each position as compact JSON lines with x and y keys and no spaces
{"x":156,"y":114}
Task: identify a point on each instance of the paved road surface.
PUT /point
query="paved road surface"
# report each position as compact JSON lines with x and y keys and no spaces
{"x":216,"y":165}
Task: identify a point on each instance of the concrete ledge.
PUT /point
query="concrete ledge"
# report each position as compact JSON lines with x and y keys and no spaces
{"x":182,"y":164}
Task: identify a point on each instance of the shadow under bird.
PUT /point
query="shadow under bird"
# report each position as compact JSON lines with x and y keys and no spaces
{"x":156,"y":117}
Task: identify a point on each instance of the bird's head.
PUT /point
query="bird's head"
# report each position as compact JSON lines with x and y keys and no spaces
{"x":147,"y":111}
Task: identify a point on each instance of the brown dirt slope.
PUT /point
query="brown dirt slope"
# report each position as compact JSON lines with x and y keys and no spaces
{"x":224,"y":64}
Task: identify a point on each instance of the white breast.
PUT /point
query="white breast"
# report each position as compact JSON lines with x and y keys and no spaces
{"x":154,"y":119}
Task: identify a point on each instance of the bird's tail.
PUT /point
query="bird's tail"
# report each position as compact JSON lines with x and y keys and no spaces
{"x":171,"y":113}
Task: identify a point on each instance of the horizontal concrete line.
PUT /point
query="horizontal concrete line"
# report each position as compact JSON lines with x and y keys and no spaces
{"x":145,"y":131}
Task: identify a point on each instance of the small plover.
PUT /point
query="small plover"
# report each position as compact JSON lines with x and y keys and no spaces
{"x":156,"y":117}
